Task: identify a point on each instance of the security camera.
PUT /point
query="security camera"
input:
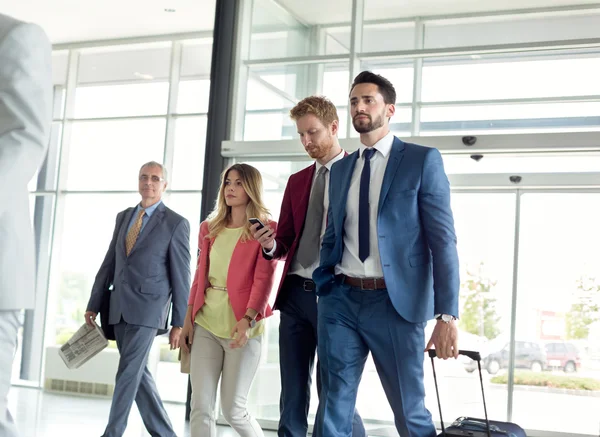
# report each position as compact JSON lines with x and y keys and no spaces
{"x":469,"y":140}
{"x":477,"y":158}
{"x":515,"y":179}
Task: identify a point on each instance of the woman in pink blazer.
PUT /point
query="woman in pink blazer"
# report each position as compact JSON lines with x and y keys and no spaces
{"x":227,"y":306}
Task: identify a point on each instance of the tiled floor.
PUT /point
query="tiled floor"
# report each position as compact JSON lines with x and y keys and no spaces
{"x":42,"y":414}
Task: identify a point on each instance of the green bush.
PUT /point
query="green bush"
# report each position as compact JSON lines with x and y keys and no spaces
{"x":549,"y":380}
{"x":63,"y":336}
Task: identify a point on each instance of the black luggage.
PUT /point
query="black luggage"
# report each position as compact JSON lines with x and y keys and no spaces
{"x":469,"y":426}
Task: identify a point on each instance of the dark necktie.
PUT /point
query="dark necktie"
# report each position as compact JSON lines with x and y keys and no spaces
{"x":363,"y":206}
{"x":308,"y":246}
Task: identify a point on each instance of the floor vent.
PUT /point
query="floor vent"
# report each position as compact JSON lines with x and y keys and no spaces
{"x":79,"y":387}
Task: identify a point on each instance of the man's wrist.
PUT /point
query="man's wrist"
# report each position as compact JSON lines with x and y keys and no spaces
{"x":270,"y":252}
{"x":446,"y":318}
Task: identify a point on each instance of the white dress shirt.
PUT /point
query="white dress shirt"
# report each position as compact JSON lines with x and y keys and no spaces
{"x":351,"y":265}
{"x":295,"y":267}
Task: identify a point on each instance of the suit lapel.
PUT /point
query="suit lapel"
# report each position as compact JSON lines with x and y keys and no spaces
{"x":304,"y":188}
{"x":124,"y":225}
{"x":350,"y":162}
{"x":152,"y":222}
{"x":396,"y":155}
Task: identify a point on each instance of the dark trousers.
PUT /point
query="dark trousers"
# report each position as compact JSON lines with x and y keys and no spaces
{"x":353,"y":322}
{"x":297,"y":304}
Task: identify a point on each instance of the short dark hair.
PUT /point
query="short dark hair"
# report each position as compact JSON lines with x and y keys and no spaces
{"x":385,"y":86}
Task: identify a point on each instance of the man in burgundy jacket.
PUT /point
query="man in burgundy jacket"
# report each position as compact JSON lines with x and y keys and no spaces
{"x":302,"y":223}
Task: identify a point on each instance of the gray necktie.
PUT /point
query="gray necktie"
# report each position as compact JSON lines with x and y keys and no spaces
{"x":308,"y":247}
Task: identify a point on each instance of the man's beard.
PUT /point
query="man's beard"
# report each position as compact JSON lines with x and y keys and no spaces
{"x":369,"y":127}
{"x":321,"y":150}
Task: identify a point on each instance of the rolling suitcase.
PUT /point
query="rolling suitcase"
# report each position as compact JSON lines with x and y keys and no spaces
{"x":469,"y":426}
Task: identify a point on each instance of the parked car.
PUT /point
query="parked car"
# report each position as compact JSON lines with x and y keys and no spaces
{"x":562,"y":355}
{"x":528,"y":355}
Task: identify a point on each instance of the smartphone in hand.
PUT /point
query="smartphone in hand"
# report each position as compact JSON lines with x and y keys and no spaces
{"x":255,"y":221}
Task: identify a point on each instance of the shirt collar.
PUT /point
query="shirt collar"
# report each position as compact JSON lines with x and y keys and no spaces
{"x":331,"y":161}
{"x":150,"y":210}
{"x":383,"y":146}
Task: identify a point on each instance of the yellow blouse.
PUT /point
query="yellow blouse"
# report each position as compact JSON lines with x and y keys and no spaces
{"x":216,"y":315}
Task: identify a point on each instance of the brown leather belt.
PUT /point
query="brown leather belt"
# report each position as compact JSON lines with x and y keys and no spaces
{"x":364,"y":283}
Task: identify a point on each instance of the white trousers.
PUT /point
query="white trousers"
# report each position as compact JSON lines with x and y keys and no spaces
{"x":9,"y":326}
{"x":211,"y":359}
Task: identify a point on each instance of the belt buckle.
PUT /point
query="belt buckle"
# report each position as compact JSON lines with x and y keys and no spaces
{"x":308,"y":285}
{"x":362,"y":284}
{"x":368,"y":280}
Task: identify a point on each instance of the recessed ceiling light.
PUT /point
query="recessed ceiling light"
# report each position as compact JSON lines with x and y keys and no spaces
{"x":170,"y":10}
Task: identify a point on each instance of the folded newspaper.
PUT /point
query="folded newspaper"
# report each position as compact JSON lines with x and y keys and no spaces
{"x":83,"y":345}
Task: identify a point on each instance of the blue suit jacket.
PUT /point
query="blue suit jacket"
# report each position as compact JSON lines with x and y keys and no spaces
{"x":417,"y":243}
{"x":155,"y":274}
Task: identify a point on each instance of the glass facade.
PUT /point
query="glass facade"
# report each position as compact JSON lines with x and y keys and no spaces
{"x":529,"y":294}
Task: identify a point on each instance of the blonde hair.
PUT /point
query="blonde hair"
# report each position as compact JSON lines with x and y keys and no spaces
{"x":253,"y":186}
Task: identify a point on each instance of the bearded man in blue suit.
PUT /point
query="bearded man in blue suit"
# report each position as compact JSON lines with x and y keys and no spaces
{"x":388,"y":264}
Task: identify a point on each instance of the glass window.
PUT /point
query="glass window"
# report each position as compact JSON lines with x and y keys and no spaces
{"x":505,"y":29}
{"x":511,"y":77}
{"x":522,"y":118}
{"x":194,"y":87}
{"x":582,"y":162}
{"x":171,"y":383}
{"x":401,"y":122}
{"x":337,"y":40}
{"x":281,"y":32}
{"x":127,"y":63}
{"x":121,"y":100}
{"x":400,"y":73}
{"x":485,"y":231}
{"x":272,"y":92}
{"x":558,"y":298}
{"x":80,"y":243}
{"x":388,"y":37}
{"x":188,"y":159}
{"x":107,"y":155}
{"x":196,"y":58}
{"x":124,"y":80}
{"x":193,"y":96}
{"x":266,"y":126}
{"x":336,"y":86}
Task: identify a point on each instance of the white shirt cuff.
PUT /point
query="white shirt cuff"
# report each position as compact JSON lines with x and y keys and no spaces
{"x":272,"y":251}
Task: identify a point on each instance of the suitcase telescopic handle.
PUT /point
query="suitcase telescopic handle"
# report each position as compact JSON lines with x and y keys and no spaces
{"x":475,"y":356}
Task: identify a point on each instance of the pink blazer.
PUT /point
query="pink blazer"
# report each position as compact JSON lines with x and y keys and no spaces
{"x":250,"y":276}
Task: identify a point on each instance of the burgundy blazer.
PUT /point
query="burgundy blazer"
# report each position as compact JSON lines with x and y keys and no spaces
{"x":291,"y":218}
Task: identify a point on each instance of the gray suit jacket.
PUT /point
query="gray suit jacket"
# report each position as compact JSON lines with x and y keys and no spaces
{"x":155,"y":274}
{"x":25,"y":121}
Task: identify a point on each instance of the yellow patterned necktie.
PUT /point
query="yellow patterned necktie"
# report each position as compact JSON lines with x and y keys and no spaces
{"x":134,"y":232}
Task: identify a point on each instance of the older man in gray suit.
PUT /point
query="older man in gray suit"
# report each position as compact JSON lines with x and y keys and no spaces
{"x":25,"y":119}
{"x":148,"y":268}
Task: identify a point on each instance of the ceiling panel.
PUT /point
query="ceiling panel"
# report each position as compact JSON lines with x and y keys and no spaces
{"x":83,"y":20}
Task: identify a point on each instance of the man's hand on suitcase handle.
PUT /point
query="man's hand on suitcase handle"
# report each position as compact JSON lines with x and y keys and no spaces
{"x":445,"y":340}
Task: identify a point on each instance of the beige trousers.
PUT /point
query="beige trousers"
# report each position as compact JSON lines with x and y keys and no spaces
{"x":211,"y":359}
